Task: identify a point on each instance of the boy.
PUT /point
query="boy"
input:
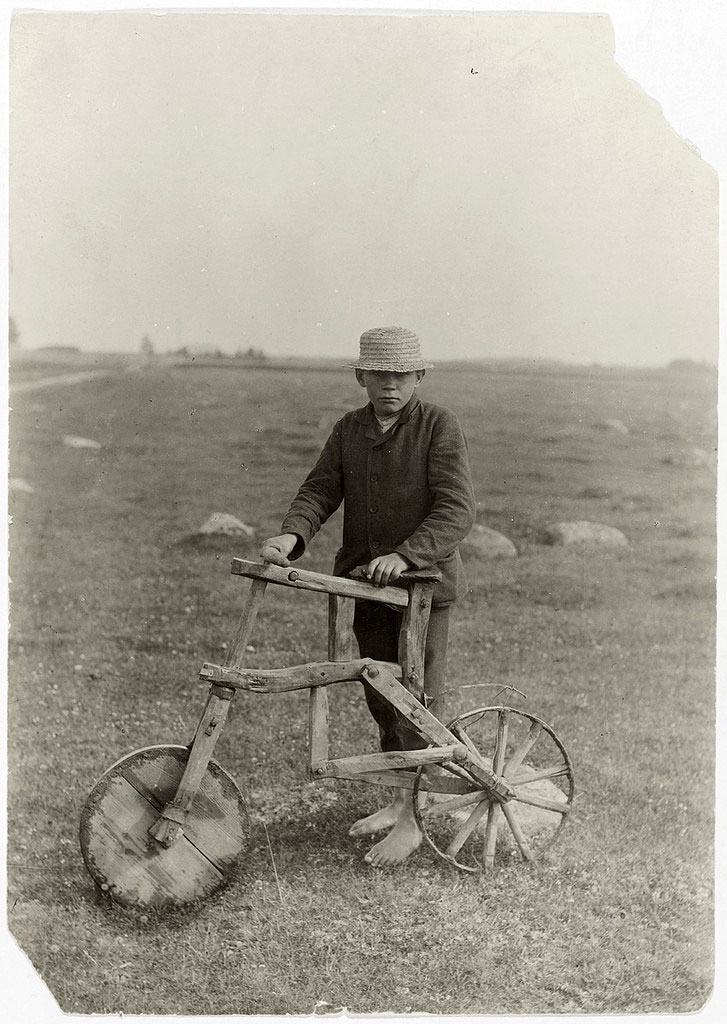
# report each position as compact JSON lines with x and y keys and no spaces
{"x":400,"y":467}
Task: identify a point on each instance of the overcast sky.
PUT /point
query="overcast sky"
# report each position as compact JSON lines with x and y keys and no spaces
{"x":495,"y":182}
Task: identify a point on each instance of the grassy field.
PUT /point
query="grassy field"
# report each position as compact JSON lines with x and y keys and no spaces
{"x":115,"y":605}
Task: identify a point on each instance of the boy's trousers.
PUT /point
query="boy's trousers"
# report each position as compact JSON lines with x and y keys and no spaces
{"x":376,"y":627}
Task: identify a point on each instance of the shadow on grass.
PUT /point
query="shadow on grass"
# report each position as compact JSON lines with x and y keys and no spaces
{"x":323,"y":840}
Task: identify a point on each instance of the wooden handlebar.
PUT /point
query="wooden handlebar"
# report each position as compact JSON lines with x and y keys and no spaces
{"x":407,"y":577}
{"x":305,"y":579}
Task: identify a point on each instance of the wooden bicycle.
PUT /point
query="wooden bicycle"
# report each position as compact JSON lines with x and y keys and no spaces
{"x":167,"y":824}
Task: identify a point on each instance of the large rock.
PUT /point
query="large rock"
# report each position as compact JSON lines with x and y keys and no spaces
{"x":17,"y":484}
{"x":688,"y":457}
{"x":618,"y":425}
{"x":482,"y":542}
{"x":72,"y":441}
{"x":227,"y":525}
{"x":536,"y":822}
{"x":583,"y":532}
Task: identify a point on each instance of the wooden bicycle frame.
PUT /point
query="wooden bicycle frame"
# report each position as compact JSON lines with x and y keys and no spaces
{"x":399,"y":684}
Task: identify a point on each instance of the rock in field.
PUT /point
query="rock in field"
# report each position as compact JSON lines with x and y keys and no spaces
{"x":618,"y":425}
{"x":687,"y":457}
{"x":224,"y":523}
{"x":18,"y":484}
{"x":71,"y":441}
{"x":536,"y":822}
{"x":483,"y":542}
{"x":583,"y":532}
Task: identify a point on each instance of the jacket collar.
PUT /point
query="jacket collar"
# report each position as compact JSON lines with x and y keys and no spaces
{"x":367,"y":417}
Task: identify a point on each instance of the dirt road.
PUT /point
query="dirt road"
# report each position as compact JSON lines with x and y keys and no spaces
{"x":61,"y":378}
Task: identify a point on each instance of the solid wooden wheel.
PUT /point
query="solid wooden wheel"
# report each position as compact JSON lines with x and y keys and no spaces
{"x":457,"y":815}
{"x":131,"y":866}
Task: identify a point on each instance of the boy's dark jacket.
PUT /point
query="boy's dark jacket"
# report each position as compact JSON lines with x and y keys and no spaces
{"x":408,"y":490}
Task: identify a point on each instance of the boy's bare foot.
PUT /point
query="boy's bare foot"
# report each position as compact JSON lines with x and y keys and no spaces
{"x":403,"y":840}
{"x":381,"y":819}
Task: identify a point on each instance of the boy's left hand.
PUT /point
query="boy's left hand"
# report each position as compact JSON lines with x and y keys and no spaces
{"x":386,"y":568}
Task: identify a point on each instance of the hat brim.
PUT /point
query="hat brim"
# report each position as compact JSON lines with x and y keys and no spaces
{"x":371,"y":364}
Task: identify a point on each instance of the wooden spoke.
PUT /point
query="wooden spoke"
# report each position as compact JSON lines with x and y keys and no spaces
{"x":456,"y":770}
{"x":494,"y":815}
{"x":462,"y":735}
{"x":538,"y":801}
{"x":468,"y":828}
{"x":511,"y":817}
{"x":516,"y":758}
{"x":500,"y":743}
{"x":443,"y":807}
{"x":540,"y":773}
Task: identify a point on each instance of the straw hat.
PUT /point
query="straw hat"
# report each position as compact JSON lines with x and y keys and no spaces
{"x":390,"y":348}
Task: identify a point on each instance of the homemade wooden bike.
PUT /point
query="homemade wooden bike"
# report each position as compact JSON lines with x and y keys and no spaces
{"x":167,"y":824}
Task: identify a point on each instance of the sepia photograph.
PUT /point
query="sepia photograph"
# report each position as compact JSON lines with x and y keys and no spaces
{"x":329,"y":328}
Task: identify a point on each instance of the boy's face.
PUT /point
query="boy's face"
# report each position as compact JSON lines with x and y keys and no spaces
{"x":389,"y":392}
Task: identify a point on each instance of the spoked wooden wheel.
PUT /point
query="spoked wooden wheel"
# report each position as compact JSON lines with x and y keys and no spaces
{"x":458,"y":816}
{"x":131,"y":866}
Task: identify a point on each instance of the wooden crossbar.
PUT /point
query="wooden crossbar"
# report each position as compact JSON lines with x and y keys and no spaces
{"x":296,"y":677}
{"x":350,"y":767}
{"x":304,"y":579}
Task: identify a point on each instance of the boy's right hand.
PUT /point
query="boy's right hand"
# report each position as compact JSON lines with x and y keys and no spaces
{"x":277,"y":549}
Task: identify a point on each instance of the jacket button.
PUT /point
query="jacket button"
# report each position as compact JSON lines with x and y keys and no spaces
{"x":373,"y":510}
{"x":374,"y":478}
